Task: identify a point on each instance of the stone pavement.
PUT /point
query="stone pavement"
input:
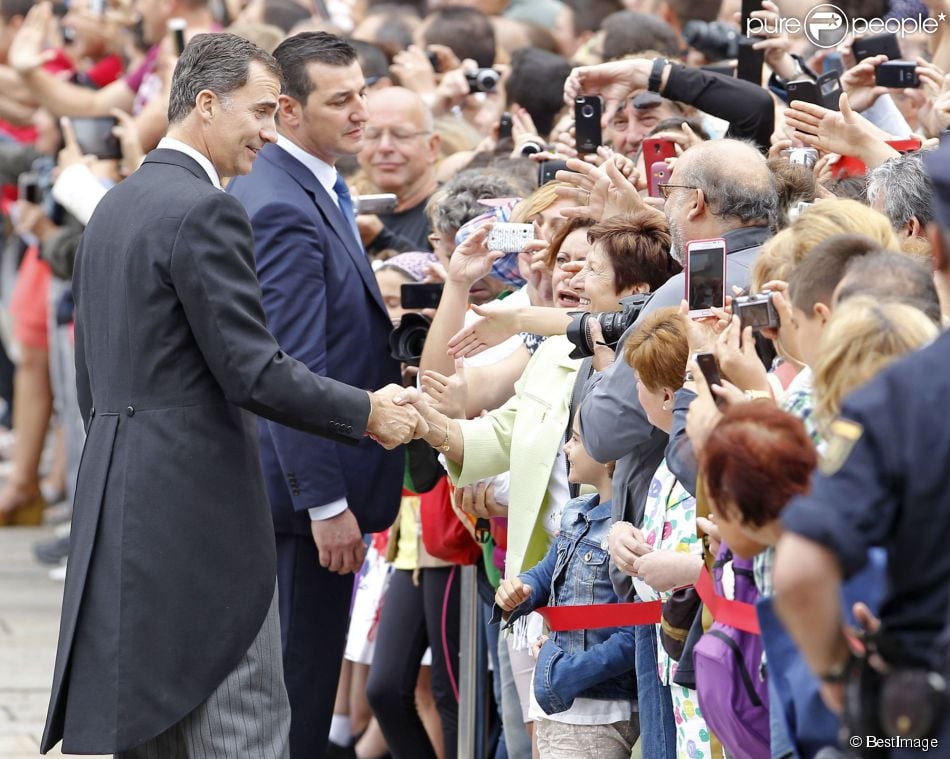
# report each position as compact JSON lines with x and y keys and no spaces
{"x":29,"y":624}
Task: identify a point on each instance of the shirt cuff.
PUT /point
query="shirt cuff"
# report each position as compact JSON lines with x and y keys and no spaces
{"x":328,"y":511}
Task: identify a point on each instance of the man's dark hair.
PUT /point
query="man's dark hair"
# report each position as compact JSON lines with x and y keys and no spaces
{"x":284,"y":14}
{"x":372,"y":60}
{"x":295,"y":54}
{"x":416,"y":6}
{"x":675,"y":124}
{"x":628,"y":32}
{"x":467,"y":31}
{"x":893,"y":277}
{"x":219,"y":62}
{"x":590,"y":14}
{"x":536,"y":84}
{"x":394,"y":32}
{"x":814,"y":280}
{"x":10,"y":9}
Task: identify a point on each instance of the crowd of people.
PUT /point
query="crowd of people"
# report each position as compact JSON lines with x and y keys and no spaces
{"x":500,"y":218}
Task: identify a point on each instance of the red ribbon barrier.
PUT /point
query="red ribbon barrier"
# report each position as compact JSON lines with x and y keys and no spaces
{"x":724,"y":610}
{"x":561,"y":618}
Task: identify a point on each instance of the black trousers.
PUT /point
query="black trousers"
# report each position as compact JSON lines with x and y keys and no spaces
{"x":413,"y":618}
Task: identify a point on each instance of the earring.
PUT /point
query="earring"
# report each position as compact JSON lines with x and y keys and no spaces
{"x":665,"y":408}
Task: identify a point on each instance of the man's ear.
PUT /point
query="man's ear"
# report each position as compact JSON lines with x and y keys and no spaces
{"x":288,"y":111}
{"x":821,"y":311}
{"x":206,"y":104}
{"x":434,"y":144}
{"x":697,"y":207}
{"x":913,"y":227}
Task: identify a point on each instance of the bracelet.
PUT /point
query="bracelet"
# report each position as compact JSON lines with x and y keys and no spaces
{"x":758,"y":395}
{"x":606,"y":540}
{"x":444,"y":445}
{"x":656,"y":74}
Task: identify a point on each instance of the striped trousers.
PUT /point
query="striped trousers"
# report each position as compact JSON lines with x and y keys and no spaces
{"x":247,"y":716}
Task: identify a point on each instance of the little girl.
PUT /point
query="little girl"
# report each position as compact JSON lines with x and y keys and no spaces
{"x":584,"y":684}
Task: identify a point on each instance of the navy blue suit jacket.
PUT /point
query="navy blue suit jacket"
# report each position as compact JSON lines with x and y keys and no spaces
{"x":323,"y":305}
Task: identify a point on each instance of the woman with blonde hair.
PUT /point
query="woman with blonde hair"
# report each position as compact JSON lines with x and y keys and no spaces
{"x":863,"y":337}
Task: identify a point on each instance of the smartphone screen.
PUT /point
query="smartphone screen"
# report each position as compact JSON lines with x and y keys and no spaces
{"x":426,"y":295}
{"x":705,"y":276}
{"x":94,"y":135}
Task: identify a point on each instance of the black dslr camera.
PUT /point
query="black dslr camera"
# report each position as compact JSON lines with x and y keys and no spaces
{"x":407,"y":340}
{"x":612,"y":323}
{"x":756,"y":311}
{"x":482,"y":80}
{"x":714,"y":39}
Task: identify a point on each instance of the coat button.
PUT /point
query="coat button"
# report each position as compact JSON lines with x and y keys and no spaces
{"x":349,"y":429}
{"x":130,"y":411}
{"x":588,"y":556}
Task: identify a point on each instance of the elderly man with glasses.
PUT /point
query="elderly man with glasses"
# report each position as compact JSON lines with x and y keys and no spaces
{"x":400,"y":150}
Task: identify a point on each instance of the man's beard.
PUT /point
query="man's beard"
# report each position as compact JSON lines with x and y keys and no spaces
{"x":678,"y":242}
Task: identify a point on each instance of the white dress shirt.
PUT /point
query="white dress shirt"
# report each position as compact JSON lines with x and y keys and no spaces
{"x":169,"y":143}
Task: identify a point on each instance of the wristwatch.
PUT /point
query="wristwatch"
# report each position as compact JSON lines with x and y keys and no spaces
{"x":656,"y":74}
{"x":757,"y":395}
{"x":840,"y":672}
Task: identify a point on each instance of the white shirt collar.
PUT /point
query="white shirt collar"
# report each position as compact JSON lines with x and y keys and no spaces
{"x":324,"y":172}
{"x":170,"y":143}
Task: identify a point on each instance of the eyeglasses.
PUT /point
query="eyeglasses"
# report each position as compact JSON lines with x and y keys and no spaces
{"x":667,"y":189}
{"x":399,"y":136}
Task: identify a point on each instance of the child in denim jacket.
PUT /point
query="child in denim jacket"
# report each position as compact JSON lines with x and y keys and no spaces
{"x":584,"y":684}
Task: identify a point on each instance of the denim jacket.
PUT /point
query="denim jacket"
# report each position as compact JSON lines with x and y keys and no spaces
{"x":589,"y":663}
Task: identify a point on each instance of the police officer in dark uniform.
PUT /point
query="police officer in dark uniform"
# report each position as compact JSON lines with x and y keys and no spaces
{"x":884,"y":481}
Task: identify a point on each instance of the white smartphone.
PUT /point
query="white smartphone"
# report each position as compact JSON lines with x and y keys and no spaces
{"x":383,"y":202}
{"x":705,"y":276}
{"x":509,"y":237}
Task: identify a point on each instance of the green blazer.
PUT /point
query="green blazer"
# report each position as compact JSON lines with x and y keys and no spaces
{"x":524,"y":437}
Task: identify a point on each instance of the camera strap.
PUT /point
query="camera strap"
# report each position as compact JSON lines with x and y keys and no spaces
{"x":577,"y":395}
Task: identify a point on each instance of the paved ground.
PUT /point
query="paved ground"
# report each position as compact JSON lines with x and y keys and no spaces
{"x":29,"y":623}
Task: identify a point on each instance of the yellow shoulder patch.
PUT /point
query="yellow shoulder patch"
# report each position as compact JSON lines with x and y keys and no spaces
{"x":843,"y":435}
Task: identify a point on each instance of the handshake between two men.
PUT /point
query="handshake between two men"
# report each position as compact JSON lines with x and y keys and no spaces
{"x":392,"y":423}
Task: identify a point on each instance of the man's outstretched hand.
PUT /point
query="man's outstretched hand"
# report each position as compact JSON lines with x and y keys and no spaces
{"x":391,"y":425}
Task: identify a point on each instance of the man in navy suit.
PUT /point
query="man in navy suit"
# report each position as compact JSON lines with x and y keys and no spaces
{"x":323,"y":306}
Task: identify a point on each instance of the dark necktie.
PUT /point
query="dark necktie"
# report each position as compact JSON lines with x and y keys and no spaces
{"x":345,"y":202}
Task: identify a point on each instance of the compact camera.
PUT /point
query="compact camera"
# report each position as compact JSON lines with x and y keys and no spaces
{"x":482,"y":80}
{"x":756,"y":311}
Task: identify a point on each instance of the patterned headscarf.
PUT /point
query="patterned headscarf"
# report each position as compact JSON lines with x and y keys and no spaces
{"x":506,"y":267}
{"x":413,"y":264}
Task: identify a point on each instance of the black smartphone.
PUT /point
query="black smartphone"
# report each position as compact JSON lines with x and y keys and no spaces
{"x":94,"y":135}
{"x":28,"y":187}
{"x":705,"y":276}
{"x":750,"y":61}
{"x":748,"y":6}
{"x":898,"y":74}
{"x":177,"y":26}
{"x":710,"y":368}
{"x":547,"y":171}
{"x":587,"y":133}
{"x":876,"y":44}
{"x":505,"y":125}
{"x":425,"y":295}
{"x":829,"y":90}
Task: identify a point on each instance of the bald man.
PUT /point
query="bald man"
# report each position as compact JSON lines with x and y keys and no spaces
{"x":400,"y":150}
{"x":719,"y":188}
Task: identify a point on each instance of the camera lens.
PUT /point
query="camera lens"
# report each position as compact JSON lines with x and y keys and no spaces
{"x":587,"y":111}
